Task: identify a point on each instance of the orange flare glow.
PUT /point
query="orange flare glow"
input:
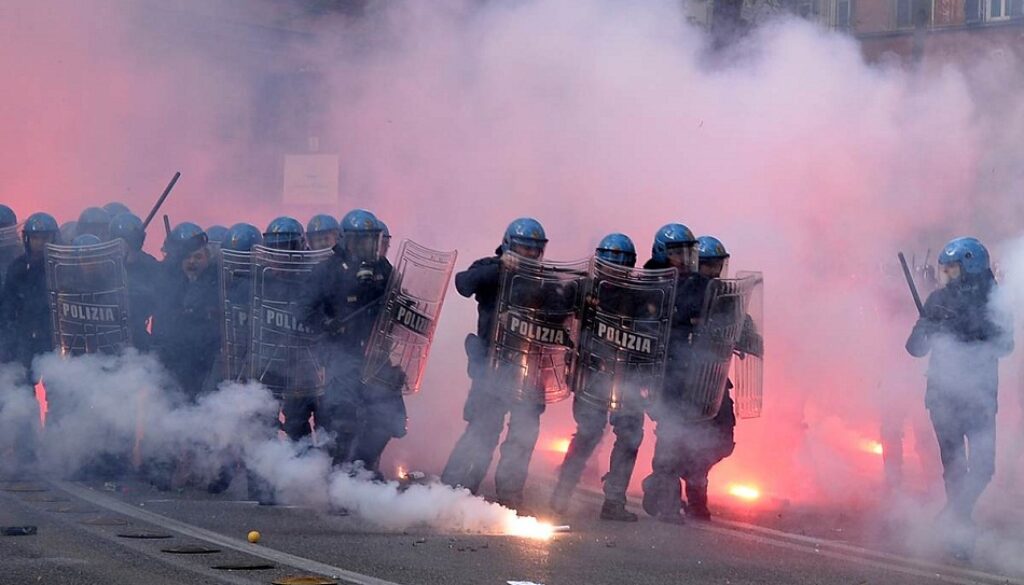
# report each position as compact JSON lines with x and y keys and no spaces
{"x":747,"y":493}
{"x":41,"y":398}
{"x":529,"y":527}
{"x":871,"y":446}
{"x":560,"y":445}
{"x":401,"y":472}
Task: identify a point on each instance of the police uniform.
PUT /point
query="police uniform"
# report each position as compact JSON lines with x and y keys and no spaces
{"x":484,"y":410}
{"x":343,"y":304}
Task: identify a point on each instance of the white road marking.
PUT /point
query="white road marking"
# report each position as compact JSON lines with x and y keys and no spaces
{"x":196,"y":532}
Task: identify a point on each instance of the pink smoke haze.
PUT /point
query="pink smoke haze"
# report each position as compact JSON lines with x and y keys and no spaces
{"x":452,"y":118}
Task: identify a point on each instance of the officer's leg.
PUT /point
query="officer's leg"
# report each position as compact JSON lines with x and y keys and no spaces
{"x":259,"y":488}
{"x":516,"y":452}
{"x":383,"y":420}
{"x":981,"y":462}
{"x":629,"y":433}
{"x":341,"y":410}
{"x":662,"y":492}
{"x":471,"y":458}
{"x":296,"y":416}
{"x":590,"y":423}
{"x":952,"y":450}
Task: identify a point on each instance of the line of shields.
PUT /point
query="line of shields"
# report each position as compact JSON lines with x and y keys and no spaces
{"x":602,"y":331}
{"x":264,"y":337}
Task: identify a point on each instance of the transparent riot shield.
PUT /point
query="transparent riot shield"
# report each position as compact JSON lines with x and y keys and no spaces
{"x":748,"y":363}
{"x":88,"y":292}
{"x":711,"y":348}
{"x":396,"y":354}
{"x":536,"y":330}
{"x":282,"y":355}
{"x":10,"y":248}
{"x":236,"y":311}
{"x":623,"y":344}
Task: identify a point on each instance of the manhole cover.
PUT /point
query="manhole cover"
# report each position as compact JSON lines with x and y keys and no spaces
{"x":143,"y":535}
{"x":23,"y":488}
{"x":18,"y":530}
{"x":46,"y":498}
{"x":105,"y":521}
{"x":305,"y":580}
{"x":190,"y":550}
{"x":244,"y":567}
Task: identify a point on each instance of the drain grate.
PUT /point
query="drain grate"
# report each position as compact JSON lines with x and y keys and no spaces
{"x":190,"y":550}
{"x":144,"y":535}
{"x":305,"y":580}
{"x":244,"y":567}
{"x":22,"y":488}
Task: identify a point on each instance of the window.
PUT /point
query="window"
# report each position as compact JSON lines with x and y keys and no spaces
{"x":972,"y":10}
{"x":1002,"y":9}
{"x":910,"y":13}
{"x":844,"y":8}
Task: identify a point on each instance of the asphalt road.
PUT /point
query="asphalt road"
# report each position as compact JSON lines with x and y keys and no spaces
{"x":82,"y":528}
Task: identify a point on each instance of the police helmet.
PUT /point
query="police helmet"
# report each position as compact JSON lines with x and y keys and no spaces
{"x":242,"y":237}
{"x":216,"y":233}
{"x":322,"y":222}
{"x":969,"y":252}
{"x":86,"y":240}
{"x":116,"y":208}
{"x":360,"y":221}
{"x":284,"y":233}
{"x":7,"y":217}
{"x":675,"y":236}
{"x":40,"y":223}
{"x":712,"y":253}
{"x":68,"y":230}
{"x":96,"y":221}
{"x":526,"y":232}
{"x":184,"y":239}
{"x":128,"y":227}
{"x":618,"y":249}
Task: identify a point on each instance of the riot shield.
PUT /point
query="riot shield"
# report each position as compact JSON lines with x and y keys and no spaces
{"x":748,"y":364}
{"x":236,"y":309}
{"x":396,"y":354}
{"x":711,"y":348}
{"x":536,"y":330}
{"x":623,"y":345}
{"x":10,"y":248}
{"x":88,"y":293}
{"x":282,"y":354}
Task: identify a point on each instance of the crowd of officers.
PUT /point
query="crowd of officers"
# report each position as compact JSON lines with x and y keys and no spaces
{"x":176,"y":308}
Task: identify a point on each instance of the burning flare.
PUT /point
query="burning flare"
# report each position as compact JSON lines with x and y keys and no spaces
{"x":560,"y":445}
{"x":529,"y":527}
{"x":747,"y":493}
{"x":871,"y":446}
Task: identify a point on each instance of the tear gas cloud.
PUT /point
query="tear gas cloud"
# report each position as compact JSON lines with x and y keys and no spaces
{"x":451,"y":118}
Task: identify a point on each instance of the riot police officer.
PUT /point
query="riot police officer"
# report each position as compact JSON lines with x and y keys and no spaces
{"x":322,"y":232}
{"x":965,"y":339}
{"x":95,"y":221}
{"x":627,"y":422}
{"x":236,"y":300}
{"x":26,"y":318}
{"x":674,"y":246}
{"x":706,"y":443}
{"x":25,"y":304}
{"x":485,"y":410}
{"x":186,"y":330}
{"x":343,"y":304}
{"x":143,"y":275}
{"x":7,"y":217}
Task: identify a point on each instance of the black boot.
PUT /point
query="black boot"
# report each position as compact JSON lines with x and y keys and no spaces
{"x":697,"y":502}
{"x":617,"y":512}
{"x":560,"y":501}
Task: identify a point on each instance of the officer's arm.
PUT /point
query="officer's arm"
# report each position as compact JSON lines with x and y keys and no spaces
{"x":920,"y":341}
{"x":312,"y":301}
{"x":469,"y":281}
{"x":751,"y":341}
